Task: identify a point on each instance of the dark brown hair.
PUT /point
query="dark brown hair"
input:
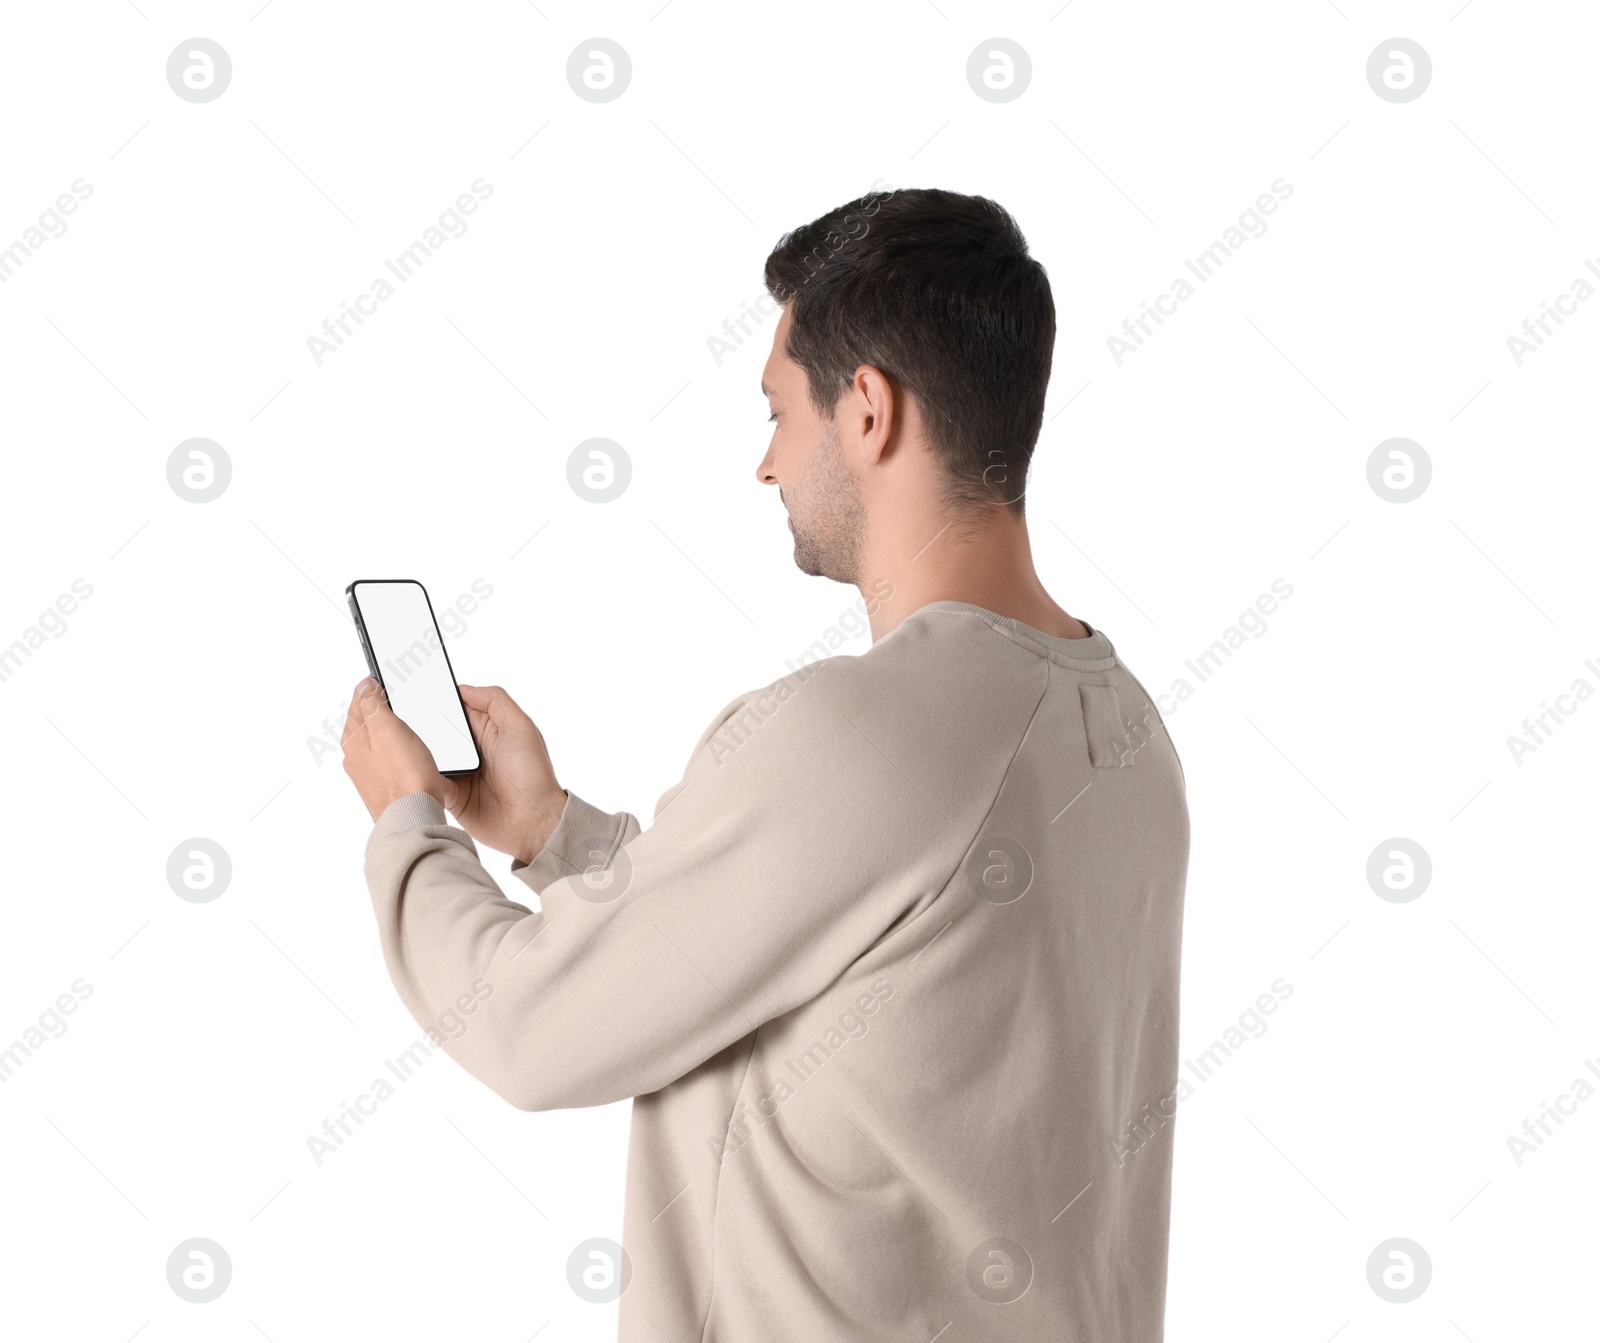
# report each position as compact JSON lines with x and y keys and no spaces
{"x":938,"y":291}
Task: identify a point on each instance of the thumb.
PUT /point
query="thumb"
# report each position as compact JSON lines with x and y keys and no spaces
{"x":371,"y":701}
{"x":493,"y":702}
{"x":453,"y":793}
{"x":476,"y":696}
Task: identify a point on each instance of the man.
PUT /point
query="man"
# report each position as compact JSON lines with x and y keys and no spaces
{"x":893,"y":975}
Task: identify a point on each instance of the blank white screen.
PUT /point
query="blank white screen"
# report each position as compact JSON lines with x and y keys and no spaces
{"x":411,"y":663}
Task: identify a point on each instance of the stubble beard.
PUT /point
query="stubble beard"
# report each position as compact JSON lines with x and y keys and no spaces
{"x":828,"y":516}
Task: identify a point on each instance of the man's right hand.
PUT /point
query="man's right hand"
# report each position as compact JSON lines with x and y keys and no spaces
{"x":513,"y":802}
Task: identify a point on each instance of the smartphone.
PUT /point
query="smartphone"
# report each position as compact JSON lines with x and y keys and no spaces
{"x":406,"y":656}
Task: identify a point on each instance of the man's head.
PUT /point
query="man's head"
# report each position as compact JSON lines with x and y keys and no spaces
{"x":912,"y":356}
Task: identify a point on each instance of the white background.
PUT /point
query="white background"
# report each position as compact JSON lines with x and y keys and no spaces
{"x":185,"y":694}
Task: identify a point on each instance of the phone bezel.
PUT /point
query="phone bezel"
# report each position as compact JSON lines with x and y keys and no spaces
{"x":377,"y":675}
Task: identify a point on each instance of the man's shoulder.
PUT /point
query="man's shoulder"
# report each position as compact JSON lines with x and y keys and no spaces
{"x":930,"y":695}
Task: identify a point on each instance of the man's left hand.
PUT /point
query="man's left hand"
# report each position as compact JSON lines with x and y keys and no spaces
{"x":384,"y":758}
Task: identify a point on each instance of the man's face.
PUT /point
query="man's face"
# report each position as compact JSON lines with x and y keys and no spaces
{"x":806,"y":462}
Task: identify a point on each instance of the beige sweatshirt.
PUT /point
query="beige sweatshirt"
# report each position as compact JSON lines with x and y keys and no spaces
{"x":893,"y":977}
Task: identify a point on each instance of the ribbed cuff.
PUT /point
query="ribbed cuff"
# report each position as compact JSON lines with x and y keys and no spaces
{"x":582,"y":831}
{"x":410,"y":812}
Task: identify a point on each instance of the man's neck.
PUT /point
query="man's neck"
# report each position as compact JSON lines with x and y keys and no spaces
{"x":981,"y":557}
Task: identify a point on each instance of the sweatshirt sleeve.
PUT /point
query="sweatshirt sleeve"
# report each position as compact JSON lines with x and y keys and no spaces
{"x":788,"y":848}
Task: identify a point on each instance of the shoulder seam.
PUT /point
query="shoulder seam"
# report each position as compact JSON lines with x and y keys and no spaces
{"x":1005,"y":774}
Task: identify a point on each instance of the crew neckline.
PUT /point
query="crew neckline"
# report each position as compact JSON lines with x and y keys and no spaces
{"x":1094,"y":652}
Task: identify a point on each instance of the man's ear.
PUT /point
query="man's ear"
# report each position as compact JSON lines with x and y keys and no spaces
{"x":874,"y":407}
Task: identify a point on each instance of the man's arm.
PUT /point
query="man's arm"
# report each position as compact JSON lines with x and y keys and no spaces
{"x":790,"y":846}
{"x":586,"y":840}
{"x":593,"y":836}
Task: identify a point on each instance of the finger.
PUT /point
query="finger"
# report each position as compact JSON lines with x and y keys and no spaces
{"x":452,"y":794}
{"x":372,"y":702}
{"x":494,"y":701}
{"x":477,"y":718}
{"x":351,"y":744}
{"x":354,"y":721}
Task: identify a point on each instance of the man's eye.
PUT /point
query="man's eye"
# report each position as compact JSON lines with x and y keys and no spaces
{"x":772,"y":418}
